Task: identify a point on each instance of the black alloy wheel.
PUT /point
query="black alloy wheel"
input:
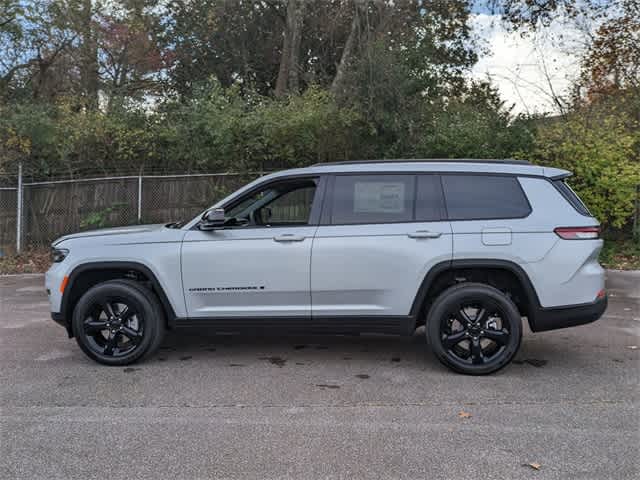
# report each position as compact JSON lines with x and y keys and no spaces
{"x":117,"y":322}
{"x":474,"y":328}
{"x":114,"y":327}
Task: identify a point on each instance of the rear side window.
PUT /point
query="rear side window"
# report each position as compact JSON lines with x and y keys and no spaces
{"x":484,"y":197}
{"x":372,"y":199}
{"x":571,"y":196}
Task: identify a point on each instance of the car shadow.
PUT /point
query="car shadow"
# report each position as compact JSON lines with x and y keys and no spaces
{"x":280,"y":350}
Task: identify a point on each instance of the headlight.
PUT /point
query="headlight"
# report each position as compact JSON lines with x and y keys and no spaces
{"x":58,"y":254}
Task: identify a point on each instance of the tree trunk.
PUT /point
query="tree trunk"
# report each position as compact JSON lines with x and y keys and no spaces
{"x":288,"y":75}
{"x":89,"y":56}
{"x":296,"y":39}
{"x":348,"y":51}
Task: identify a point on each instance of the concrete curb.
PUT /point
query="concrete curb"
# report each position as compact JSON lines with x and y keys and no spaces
{"x":21,"y":275}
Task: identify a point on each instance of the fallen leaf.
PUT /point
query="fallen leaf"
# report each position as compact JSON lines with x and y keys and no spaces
{"x":534,"y":465}
{"x":463,"y":414}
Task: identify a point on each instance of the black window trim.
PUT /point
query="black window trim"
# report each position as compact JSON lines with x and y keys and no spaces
{"x":321,"y":208}
{"x":325,"y":219}
{"x":444,"y":213}
{"x":571,"y":196}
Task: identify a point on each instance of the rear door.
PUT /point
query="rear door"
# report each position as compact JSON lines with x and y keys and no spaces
{"x":379,"y":236}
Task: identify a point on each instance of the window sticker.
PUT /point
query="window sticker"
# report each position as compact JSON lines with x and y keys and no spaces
{"x":378,"y":197}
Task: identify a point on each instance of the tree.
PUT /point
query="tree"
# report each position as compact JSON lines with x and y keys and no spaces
{"x":406,"y":60}
{"x":612,"y":63}
{"x":474,"y":124}
{"x":279,"y":47}
{"x":289,"y":71}
{"x":533,"y":14}
{"x":34,"y":42}
{"x":132,"y":55}
{"x":602,"y":153}
{"x":84,"y":25}
{"x":236,"y":42}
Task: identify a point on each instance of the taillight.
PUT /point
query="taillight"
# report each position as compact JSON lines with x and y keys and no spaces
{"x":578,"y":233}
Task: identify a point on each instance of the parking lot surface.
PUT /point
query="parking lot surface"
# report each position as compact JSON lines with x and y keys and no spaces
{"x":210,"y":406}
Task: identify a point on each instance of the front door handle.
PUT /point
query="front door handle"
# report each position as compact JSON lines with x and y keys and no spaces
{"x":288,"y":237}
{"x":424,"y":234}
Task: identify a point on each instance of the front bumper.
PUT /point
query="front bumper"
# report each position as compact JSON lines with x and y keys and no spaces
{"x":60,"y":319}
{"x":562,"y":317}
{"x":53,"y":280}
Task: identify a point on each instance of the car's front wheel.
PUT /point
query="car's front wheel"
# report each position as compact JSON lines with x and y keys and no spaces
{"x":474,"y":328}
{"x":117,"y":322}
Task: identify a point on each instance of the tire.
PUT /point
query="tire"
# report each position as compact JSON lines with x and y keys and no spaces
{"x":474,"y":329}
{"x":112,"y":335}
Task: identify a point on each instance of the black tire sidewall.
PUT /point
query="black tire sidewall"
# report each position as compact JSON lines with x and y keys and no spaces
{"x":140,"y":298}
{"x":159,"y":332}
{"x":454,"y":295}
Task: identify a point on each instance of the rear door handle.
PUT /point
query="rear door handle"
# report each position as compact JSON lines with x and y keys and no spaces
{"x":288,"y":237}
{"x":424,"y":234}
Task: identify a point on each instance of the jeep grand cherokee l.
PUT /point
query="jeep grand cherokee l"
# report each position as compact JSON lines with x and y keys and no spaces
{"x":466,"y":248}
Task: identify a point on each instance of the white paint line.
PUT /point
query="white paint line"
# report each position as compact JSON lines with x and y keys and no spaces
{"x":53,"y":355}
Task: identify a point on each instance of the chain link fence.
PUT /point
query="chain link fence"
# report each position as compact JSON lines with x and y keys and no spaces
{"x":48,"y":210}
{"x":8,"y":218}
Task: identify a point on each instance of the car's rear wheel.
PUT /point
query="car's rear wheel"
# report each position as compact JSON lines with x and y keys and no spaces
{"x":117,"y":322}
{"x":474,"y":328}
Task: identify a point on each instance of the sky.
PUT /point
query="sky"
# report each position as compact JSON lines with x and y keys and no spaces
{"x":529,"y":69}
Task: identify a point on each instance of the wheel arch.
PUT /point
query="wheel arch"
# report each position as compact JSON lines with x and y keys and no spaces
{"x":86,"y":275}
{"x":441,"y":275}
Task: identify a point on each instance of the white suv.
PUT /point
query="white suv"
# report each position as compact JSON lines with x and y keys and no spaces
{"x":464,"y":247}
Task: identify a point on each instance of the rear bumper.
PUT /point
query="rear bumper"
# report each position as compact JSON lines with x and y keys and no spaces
{"x":571,"y":316}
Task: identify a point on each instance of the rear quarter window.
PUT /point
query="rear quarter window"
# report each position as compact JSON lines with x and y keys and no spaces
{"x":484,"y":197}
{"x":570,"y":196}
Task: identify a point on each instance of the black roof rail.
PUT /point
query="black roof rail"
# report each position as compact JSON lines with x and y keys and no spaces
{"x":509,"y":161}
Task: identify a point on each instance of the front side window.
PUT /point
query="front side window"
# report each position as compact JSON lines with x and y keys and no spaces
{"x":484,"y":197}
{"x":372,"y":199}
{"x":284,"y":203}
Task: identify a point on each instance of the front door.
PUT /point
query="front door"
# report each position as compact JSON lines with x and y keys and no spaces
{"x":258,"y":265}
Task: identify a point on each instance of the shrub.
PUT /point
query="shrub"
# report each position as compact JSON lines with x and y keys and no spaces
{"x":603,"y":155}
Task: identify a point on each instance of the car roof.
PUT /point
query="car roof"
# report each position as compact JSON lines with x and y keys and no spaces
{"x":466,"y":165}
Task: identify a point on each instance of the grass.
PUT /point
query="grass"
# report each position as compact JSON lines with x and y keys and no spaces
{"x":617,"y":253}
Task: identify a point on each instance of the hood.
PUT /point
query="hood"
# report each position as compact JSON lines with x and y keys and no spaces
{"x":103,"y":232}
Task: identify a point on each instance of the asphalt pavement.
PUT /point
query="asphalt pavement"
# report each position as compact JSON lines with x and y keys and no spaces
{"x":373,"y":407}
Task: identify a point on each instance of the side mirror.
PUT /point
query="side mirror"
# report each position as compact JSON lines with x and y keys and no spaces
{"x":212,"y":219}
